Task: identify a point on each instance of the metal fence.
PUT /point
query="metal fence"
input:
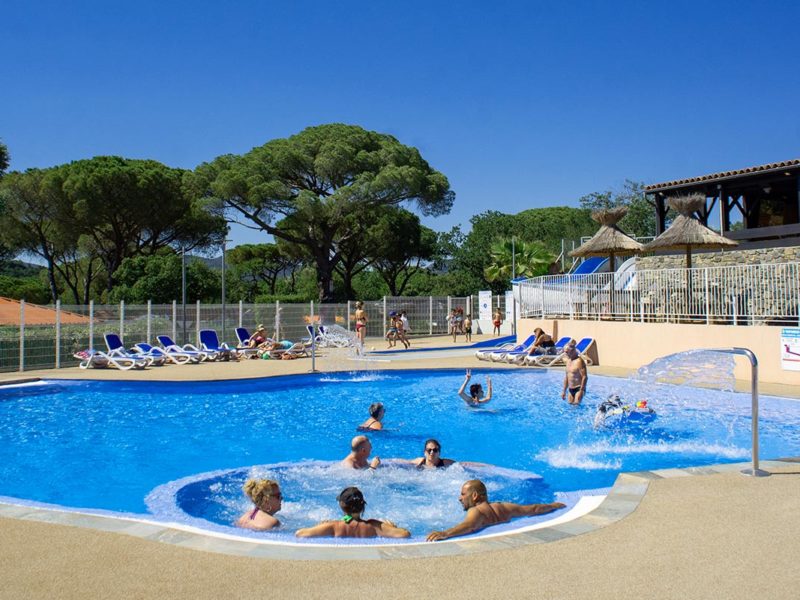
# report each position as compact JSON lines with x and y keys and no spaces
{"x":742,"y":295}
{"x":71,"y":328}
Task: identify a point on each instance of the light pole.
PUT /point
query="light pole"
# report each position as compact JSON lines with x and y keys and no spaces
{"x":183,"y":289}
{"x":513,"y":277}
{"x":223,"y":287}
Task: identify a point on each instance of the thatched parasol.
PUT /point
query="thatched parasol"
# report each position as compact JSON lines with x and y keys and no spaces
{"x":610,"y":240}
{"x":686,"y":232}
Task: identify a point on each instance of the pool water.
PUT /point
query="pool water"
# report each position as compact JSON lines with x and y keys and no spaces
{"x":116,"y":446}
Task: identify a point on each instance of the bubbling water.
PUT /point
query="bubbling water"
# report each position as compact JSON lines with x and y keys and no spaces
{"x":697,"y":368}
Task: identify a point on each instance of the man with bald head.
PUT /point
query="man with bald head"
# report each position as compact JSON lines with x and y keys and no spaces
{"x":360,"y":447}
{"x":482,"y":513}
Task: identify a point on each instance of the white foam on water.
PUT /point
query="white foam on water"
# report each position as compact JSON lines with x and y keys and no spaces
{"x":606,"y":455}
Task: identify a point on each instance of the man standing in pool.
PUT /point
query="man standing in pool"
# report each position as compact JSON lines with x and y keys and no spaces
{"x":481,"y":513}
{"x":475,"y":396}
{"x":575,"y":377}
{"x":360,"y":448}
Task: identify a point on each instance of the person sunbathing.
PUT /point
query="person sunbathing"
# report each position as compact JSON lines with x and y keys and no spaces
{"x":351,"y":525}
{"x":542,"y":344}
{"x":266,"y":497}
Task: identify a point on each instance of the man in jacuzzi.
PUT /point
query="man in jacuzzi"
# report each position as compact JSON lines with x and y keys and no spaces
{"x":360,"y":448}
{"x":481,"y":513}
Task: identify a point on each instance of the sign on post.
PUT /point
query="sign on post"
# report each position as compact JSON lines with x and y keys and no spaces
{"x":485,"y":306}
{"x":790,"y":348}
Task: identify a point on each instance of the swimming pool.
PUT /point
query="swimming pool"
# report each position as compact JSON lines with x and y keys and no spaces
{"x":117,"y":446}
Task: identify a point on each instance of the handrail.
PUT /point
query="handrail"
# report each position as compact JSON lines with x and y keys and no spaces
{"x":754,"y":471}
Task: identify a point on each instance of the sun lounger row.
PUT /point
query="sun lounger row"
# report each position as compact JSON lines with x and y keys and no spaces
{"x":520,"y":354}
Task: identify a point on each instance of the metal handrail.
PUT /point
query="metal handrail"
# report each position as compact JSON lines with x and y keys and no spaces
{"x":754,"y":471}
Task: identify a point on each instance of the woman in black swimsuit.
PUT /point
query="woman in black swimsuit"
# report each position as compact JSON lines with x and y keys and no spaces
{"x":376,"y":412}
{"x":431,"y":458}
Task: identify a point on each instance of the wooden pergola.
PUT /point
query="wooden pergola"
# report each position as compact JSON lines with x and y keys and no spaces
{"x":767,"y":196}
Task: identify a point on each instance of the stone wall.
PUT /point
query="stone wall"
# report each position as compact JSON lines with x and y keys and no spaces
{"x":728,"y":258}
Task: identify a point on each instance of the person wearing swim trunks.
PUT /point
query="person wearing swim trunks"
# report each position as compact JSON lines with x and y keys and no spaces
{"x":351,"y":525}
{"x":266,"y":497}
{"x":575,"y":377}
{"x":360,"y":448}
{"x":361,"y":321}
{"x":481,"y":513}
{"x":391,"y":332}
{"x":376,"y":413}
{"x":497,"y":319}
{"x":476,"y":395}
{"x":468,"y":328}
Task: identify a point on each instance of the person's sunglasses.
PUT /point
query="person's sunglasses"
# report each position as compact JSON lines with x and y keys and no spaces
{"x":431,"y":450}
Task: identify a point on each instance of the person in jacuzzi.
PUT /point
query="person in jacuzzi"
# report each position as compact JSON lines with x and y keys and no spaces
{"x":481,"y":513}
{"x":360,"y":448}
{"x":351,"y":525}
{"x":266,"y":496}
{"x":376,"y":413}
{"x":431,"y":457}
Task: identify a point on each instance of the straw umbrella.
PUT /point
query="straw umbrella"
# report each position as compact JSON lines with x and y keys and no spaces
{"x":686,"y":232}
{"x":609,"y":241}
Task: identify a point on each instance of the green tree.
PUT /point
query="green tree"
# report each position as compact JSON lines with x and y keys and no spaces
{"x":258,"y":266}
{"x":158,"y":278}
{"x":405,"y":245}
{"x":30,"y":289}
{"x":5,"y":159}
{"x":641,"y":218}
{"x":320,"y":178}
{"x":510,"y":258}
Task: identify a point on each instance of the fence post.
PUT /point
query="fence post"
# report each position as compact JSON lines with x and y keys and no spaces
{"x":21,"y":335}
{"x":150,"y":321}
{"x":541,"y":291}
{"x":735,"y":309}
{"x":197,"y":326}
{"x":91,"y":325}
{"x":469,"y":305}
{"x":175,"y":321}
{"x":122,"y":320}
{"x":384,"y":315}
{"x":430,"y":315}
{"x":241,"y":312}
{"x":58,"y":334}
{"x":348,"y":315}
{"x":277,"y":319}
{"x":569,"y":291}
{"x":641,"y":309}
{"x":705,"y":286}
{"x":311,"y":314}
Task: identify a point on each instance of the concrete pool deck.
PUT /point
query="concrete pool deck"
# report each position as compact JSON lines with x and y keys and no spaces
{"x":711,"y":535}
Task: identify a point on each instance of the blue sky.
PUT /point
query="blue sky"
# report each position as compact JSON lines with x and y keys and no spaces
{"x":520,"y":104}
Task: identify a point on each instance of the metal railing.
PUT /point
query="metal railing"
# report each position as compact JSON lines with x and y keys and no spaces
{"x":34,"y":344}
{"x":741,"y":295}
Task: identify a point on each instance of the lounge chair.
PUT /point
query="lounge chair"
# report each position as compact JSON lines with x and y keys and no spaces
{"x":500,"y":356}
{"x":582,"y":347}
{"x":117,"y":349}
{"x":170,"y":347}
{"x":296,"y":350}
{"x":244,"y":340}
{"x":503,"y":349}
{"x":209,"y":343}
{"x":543,"y":358}
{"x":101,"y":360}
{"x":178,"y":358}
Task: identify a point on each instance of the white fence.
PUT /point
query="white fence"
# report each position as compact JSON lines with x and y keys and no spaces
{"x":50,"y":342}
{"x":742,"y":295}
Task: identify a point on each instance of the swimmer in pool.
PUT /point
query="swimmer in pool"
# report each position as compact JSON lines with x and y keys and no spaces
{"x":351,"y":525}
{"x":482,"y":513}
{"x":360,"y":448}
{"x":431,"y":458}
{"x":476,"y":395}
{"x":376,"y":413}
{"x":266,"y":497}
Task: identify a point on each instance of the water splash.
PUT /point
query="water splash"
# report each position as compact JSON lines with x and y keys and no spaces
{"x":697,"y":368}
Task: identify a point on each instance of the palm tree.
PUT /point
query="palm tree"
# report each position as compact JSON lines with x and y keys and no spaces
{"x":531,"y":259}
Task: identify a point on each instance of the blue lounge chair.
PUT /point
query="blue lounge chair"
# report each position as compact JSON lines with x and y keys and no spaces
{"x":541,"y":359}
{"x":117,"y":349}
{"x":170,"y":347}
{"x":209,"y":343}
{"x":243,"y":346}
{"x":582,"y":347}
{"x":177,"y":358}
{"x":486,"y":353}
{"x":500,"y":355}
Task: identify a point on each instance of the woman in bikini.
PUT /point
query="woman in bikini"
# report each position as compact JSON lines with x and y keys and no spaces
{"x":376,"y":412}
{"x":361,"y":321}
{"x":431,"y":458}
{"x":266,"y":497}
{"x":351,"y":525}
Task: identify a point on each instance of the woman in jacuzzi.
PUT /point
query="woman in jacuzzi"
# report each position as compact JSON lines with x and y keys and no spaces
{"x":266,"y":497}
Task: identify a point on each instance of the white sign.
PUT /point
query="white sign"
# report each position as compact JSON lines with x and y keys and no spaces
{"x":510,"y":307}
{"x":790,"y":348}
{"x":485,"y":306}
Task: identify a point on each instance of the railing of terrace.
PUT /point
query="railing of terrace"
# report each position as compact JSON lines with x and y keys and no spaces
{"x":44,"y":346}
{"x":742,"y":295}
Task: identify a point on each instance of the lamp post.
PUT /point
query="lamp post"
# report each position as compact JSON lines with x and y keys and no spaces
{"x":513,"y":277}
{"x":223,"y":287}
{"x":183,"y":289}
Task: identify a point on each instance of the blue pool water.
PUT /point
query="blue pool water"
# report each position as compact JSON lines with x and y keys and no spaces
{"x":117,"y":445}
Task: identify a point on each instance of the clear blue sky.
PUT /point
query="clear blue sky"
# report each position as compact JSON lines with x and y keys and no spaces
{"x":520,"y":104}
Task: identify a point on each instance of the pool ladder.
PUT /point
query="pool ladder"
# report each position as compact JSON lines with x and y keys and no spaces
{"x":753,"y":471}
